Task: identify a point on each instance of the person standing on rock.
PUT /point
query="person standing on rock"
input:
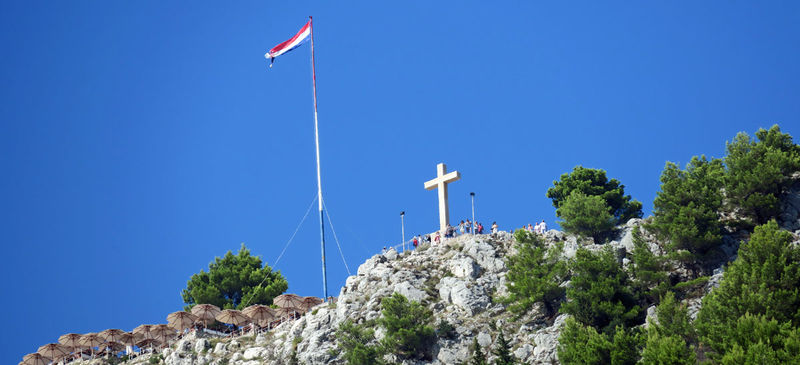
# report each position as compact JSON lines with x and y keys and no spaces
{"x":542,"y":227}
{"x":494,"y":227}
{"x":415,"y":242}
{"x":436,"y":239}
{"x":480,"y":228}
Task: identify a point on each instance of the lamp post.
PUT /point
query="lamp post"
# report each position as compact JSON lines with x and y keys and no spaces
{"x":403,"y":229}
{"x":472,"y":195}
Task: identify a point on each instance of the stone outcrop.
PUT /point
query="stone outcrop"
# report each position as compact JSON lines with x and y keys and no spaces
{"x":458,"y":280}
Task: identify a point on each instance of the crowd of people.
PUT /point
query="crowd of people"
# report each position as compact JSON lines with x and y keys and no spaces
{"x":464,"y":227}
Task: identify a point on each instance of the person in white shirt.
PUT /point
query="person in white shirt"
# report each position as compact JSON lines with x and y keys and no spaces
{"x":543,"y":227}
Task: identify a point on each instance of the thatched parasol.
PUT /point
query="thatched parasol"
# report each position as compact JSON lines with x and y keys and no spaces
{"x":114,"y":346}
{"x":232,"y":316}
{"x":90,"y":340}
{"x":181,"y":320}
{"x":112,"y":335}
{"x":162,"y":332}
{"x":143,"y":331}
{"x":205,"y":312}
{"x":35,"y":359}
{"x":70,"y":340}
{"x":53,"y":351}
{"x":148,"y":342}
{"x":311,"y":302}
{"x":289,"y":301}
{"x":259,"y":313}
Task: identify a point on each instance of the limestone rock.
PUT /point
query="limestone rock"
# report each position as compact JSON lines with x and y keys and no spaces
{"x":201,"y":344}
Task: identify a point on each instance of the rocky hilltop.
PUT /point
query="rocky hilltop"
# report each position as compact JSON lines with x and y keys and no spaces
{"x":459,"y":280}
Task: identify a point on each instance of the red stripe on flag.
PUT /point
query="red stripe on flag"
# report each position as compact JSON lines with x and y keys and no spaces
{"x":283,"y":45}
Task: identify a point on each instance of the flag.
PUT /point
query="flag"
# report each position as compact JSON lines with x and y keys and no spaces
{"x":301,"y":37}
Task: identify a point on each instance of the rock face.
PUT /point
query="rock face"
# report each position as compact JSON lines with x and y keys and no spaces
{"x":457,"y":280}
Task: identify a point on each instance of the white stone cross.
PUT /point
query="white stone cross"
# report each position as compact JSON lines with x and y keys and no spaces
{"x":442,"y":179}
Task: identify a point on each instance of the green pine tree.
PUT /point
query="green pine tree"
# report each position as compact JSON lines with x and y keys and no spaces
{"x":669,"y":341}
{"x":534,"y":275}
{"x":593,"y":182}
{"x":599,"y":295}
{"x":409,"y":333}
{"x":758,"y":171}
{"x":649,"y":278}
{"x":586,"y":216}
{"x":478,"y":357}
{"x":762,"y":283}
{"x":234,"y":281}
{"x":686,"y":209}
{"x":503,"y":351}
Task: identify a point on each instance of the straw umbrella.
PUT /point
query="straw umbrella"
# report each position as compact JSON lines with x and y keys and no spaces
{"x":232,"y":316}
{"x":181,"y":320}
{"x":259,"y":313}
{"x":112,"y":335}
{"x":205,"y":312}
{"x":162,"y":332}
{"x":311,"y":302}
{"x":289,"y":301}
{"x":143,"y":331}
{"x":148,"y":342}
{"x":71,"y":340}
{"x":285,"y":312}
{"x":35,"y":359}
{"x":53,"y":351}
{"x":90,"y":340}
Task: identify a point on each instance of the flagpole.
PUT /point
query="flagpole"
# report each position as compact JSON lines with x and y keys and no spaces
{"x":319,"y":179}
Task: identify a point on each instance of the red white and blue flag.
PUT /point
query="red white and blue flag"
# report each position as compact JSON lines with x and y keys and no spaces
{"x":301,"y":37}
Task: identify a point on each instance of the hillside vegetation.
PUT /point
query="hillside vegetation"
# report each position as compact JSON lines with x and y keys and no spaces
{"x":713,"y":276}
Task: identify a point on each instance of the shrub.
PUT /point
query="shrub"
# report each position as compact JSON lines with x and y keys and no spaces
{"x":593,"y":182}
{"x":579,"y":344}
{"x":407,"y":324}
{"x":234,"y":281}
{"x":445,"y":329}
{"x":354,"y":341}
{"x":686,"y":209}
{"x":758,"y":171}
{"x":600,"y":295}
{"x":649,"y":278}
{"x":502,"y":351}
{"x":586,"y":216}
{"x":478,"y":357}
{"x":534,"y":275}
{"x":762,"y":281}
{"x":669,"y":341}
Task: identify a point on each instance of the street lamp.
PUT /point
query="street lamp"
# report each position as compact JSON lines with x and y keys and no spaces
{"x":472,"y":195}
{"x":403,"y":229}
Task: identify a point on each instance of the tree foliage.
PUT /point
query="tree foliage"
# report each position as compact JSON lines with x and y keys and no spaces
{"x":408,"y":330}
{"x":593,"y":182}
{"x":586,"y":216}
{"x":502,"y":351}
{"x":478,"y":357}
{"x":579,"y":344}
{"x":758,"y":171}
{"x":234,"y":281}
{"x":649,"y":278}
{"x":354,"y":341}
{"x":762,"y":281}
{"x":534,"y":274}
{"x":686,"y":209}
{"x":669,"y":341}
{"x":600,"y":295}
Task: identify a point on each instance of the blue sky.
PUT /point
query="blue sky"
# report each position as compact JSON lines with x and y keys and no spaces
{"x":140,"y":140}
